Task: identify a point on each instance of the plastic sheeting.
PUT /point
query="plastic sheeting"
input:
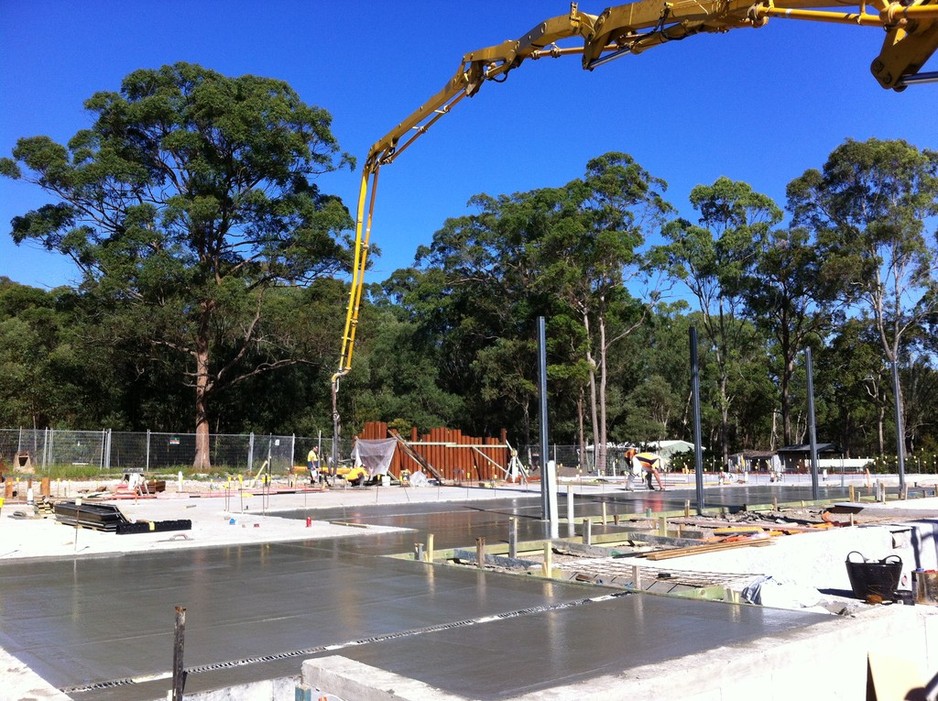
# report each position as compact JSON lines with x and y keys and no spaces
{"x":781,"y":593}
{"x":374,"y":455}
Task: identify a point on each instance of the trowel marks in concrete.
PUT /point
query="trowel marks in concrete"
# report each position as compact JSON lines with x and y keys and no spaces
{"x":503,"y":655}
{"x":555,"y":646}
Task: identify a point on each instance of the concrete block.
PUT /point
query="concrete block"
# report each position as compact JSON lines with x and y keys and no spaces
{"x":348,"y":679}
{"x":279,"y":689}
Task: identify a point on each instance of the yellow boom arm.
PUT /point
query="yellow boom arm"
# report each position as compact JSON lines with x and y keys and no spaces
{"x":911,"y":38}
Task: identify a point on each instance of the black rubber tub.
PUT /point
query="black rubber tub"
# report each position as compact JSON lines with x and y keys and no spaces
{"x":874,"y":577}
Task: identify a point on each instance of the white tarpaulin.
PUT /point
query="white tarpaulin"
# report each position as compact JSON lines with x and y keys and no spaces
{"x":374,"y":455}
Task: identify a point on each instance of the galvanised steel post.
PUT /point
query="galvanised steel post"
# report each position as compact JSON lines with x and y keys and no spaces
{"x":900,"y":426}
{"x":811,"y":428}
{"x":542,"y":384}
{"x":695,"y":394}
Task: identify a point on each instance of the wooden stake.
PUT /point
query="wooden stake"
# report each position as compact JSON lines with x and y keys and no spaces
{"x":179,"y":639}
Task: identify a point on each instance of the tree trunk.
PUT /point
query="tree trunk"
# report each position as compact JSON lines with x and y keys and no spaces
{"x":787,"y":374}
{"x":603,"y":438}
{"x":203,"y":386}
{"x":724,"y":417}
{"x":880,"y":429}
{"x":598,"y":457}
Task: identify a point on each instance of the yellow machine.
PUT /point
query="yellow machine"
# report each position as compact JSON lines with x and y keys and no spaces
{"x":353,"y":475}
{"x":911,"y":37}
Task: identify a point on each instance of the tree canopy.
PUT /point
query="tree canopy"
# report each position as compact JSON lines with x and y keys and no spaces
{"x":213,"y":268}
{"x":190,"y":198}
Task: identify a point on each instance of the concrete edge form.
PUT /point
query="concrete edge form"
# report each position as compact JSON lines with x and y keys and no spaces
{"x":279,"y":688}
{"x":20,"y":682}
{"x":349,"y":679}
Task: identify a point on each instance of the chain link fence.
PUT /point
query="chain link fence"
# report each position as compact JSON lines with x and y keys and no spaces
{"x":75,"y":454}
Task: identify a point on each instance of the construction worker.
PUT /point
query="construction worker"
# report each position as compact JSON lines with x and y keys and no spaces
{"x":312,"y":464}
{"x":650,"y":463}
{"x":631,"y":471}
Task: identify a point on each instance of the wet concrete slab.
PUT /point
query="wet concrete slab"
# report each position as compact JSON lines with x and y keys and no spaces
{"x":506,"y":658}
{"x":103,"y":620}
{"x":102,"y":626}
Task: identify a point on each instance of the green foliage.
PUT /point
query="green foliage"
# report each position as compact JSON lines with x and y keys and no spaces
{"x":452,"y":340}
{"x":186,"y":205}
{"x":716,"y":260}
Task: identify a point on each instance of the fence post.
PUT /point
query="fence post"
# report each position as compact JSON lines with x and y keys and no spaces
{"x":147,"y":468}
{"x":251,"y":453}
{"x":109,"y":450}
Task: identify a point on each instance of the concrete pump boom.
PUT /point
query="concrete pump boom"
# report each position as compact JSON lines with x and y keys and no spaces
{"x":911,"y":28}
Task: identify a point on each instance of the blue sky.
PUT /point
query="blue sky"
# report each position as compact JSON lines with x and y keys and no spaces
{"x":754,"y":105}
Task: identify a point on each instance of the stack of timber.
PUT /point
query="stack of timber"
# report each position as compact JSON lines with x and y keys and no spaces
{"x":704,"y":548}
{"x":108,"y":518}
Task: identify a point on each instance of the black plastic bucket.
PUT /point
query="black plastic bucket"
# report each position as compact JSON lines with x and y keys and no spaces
{"x":874,"y":577}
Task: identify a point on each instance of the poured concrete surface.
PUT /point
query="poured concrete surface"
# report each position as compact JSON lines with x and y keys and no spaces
{"x":257,"y":610}
{"x":506,"y":658}
{"x":827,"y":660}
{"x":110,"y":619}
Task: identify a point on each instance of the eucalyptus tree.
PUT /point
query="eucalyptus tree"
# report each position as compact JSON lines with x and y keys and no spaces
{"x":559,"y":252}
{"x":397,"y":379}
{"x":189,"y":198}
{"x":871,"y":206}
{"x":852,"y":383}
{"x":786,"y":295}
{"x":471,"y":295}
{"x":713,"y":259}
{"x":658,"y":405}
{"x":591,"y":252}
{"x":32,"y":391}
{"x":920,"y":394}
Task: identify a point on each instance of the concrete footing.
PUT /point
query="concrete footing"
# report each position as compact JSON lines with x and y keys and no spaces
{"x":348,"y":679}
{"x":833,"y":660}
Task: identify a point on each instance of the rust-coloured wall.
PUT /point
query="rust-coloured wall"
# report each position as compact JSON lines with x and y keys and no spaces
{"x":454,"y":456}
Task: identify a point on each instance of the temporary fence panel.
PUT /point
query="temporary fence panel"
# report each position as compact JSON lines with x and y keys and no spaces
{"x":455,"y":456}
{"x":129,"y":451}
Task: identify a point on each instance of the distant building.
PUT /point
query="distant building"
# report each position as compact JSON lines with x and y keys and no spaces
{"x":797,"y":458}
{"x":751,"y":461}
